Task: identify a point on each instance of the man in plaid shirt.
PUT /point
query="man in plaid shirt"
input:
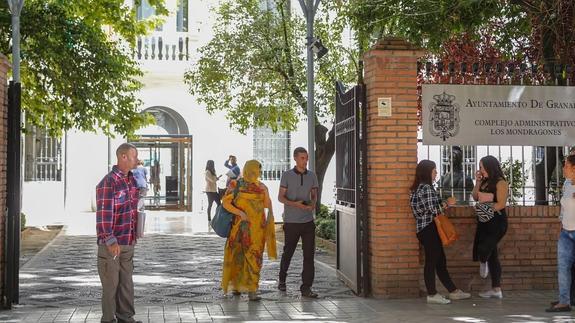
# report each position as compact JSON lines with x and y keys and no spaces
{"x":116,"y":221}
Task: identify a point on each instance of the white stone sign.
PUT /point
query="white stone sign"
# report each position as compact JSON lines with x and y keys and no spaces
{"x":498,"y":115}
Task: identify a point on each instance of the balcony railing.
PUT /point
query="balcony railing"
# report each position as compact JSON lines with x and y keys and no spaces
{"x":163,"y":48}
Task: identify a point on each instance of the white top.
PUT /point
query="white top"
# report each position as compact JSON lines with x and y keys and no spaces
{"x":568,"y":206}
{"x":211,"y":181}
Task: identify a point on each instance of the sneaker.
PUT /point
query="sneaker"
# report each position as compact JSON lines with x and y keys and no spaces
{"x":483,"y":269}
{"x":491,"y":294}
{"x":309,"y":294}
{"x":458,"y":294}
{"x":437,"y":299}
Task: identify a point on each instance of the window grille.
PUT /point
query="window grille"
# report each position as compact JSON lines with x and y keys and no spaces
{"x":273,"y":151}
{"x":43,"y":156}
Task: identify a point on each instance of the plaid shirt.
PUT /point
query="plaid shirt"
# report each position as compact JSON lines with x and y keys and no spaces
{"x":425,"y":205}
{"x":117,"y":208}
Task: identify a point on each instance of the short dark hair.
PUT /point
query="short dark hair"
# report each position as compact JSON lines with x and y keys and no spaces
{"x":570,"y":159}
{"x":299,"y":150}
{"x":124,"y":148}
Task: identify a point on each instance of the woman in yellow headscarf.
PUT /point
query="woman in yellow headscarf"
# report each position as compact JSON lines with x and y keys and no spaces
{"x":251,"y":232}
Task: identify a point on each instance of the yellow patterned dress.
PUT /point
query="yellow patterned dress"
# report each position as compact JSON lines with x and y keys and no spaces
{"x":243,"y":252}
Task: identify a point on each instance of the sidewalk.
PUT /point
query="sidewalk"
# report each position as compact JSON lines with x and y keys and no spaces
{"x":177,"y":280}
{"x":516,"y":307}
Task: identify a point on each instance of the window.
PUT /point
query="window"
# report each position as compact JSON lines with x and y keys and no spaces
{"x":144,"y":11}
{"x":43,"y":156}
{"x":273,"y":151}
{"x":182,"y":16}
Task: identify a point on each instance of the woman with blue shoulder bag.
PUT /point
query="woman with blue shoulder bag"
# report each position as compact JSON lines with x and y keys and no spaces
{"x":250,"y":233}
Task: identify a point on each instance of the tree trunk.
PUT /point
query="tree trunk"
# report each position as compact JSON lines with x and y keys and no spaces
{"x":324,"y":150}
{"x":548,"y":42}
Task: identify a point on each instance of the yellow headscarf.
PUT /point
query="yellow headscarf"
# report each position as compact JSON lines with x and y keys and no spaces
{"x":251,"y":172}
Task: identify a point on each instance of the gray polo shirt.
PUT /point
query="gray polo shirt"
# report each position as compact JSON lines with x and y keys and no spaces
{"x":298,"y":186}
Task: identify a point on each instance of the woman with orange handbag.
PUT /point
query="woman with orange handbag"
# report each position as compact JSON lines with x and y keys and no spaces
{"x":426,"y":205}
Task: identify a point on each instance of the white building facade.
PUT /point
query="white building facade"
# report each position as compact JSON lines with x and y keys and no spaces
{"x":61,"y":174}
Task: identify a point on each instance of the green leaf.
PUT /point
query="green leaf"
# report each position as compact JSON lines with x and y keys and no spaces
{"x":75,"y":74}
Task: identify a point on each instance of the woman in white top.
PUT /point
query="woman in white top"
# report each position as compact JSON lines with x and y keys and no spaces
{"x":211,"y":187}
{"x":566,"y":243}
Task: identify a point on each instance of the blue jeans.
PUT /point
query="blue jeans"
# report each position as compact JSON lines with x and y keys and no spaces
{"x":565,"y":260}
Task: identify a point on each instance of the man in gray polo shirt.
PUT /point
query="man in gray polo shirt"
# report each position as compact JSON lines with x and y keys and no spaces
{"x":298,"y":193}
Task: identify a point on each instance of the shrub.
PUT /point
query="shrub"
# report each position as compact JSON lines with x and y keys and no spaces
{"x":325,"y":223}
{"x":324,"y":213}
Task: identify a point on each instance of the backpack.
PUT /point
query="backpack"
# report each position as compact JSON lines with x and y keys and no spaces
{"x":222,"y":221}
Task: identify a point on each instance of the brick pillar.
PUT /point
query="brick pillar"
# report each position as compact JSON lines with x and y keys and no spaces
{"x":3,"y":146}
{"x":390,"y":71}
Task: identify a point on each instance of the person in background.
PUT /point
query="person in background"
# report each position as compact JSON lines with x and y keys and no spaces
{"x":116,"y":219}
{"x":211,"y":187}
{"x":234,"y":169}
{"x":490,"y":191}
{"x":251,"y":232}
{"x":141,"y":175}
{"x":426,"y":205}
{"x":455,"y":182}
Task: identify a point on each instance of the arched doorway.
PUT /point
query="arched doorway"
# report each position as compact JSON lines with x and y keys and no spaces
{"x":166,"y":149}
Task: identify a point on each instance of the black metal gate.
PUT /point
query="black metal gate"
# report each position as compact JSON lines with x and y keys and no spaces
{"x":351,"y":171}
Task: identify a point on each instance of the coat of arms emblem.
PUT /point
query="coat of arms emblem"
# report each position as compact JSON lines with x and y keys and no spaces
{"x":444,"y":116}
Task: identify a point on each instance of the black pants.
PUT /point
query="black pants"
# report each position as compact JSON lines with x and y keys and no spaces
{"x":435,"y":261}
{"x":212,"y":197}
{"x":292,"y":233}
{"x":487,"y":236}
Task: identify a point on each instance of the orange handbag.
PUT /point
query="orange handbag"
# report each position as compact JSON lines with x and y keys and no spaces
{"x":445,"y":229}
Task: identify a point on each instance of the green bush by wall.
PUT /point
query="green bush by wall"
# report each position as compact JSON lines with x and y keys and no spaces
{"x":325,"y":223}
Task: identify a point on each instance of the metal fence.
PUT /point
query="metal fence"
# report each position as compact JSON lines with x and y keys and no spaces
{"x":534,"y":173}
{"x":518,"y":163}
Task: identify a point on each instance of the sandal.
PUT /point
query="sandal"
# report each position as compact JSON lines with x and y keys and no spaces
{"x":252,"y":296}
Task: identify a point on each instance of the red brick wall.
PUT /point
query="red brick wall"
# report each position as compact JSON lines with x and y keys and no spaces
{"x":3,"y":146}
{"x":390,"y":71}
{"x":528,"y":251}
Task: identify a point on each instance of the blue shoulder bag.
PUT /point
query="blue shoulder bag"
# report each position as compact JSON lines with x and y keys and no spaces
{"x":222,"y":221}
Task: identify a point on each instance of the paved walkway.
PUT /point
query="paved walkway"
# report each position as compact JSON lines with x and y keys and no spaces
{"x":177,"y":280}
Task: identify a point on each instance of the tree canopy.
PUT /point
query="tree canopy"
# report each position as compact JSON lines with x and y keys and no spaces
{"x":77,"y":68}
{"x":536,"y":31}
{"x":254,"y":67}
